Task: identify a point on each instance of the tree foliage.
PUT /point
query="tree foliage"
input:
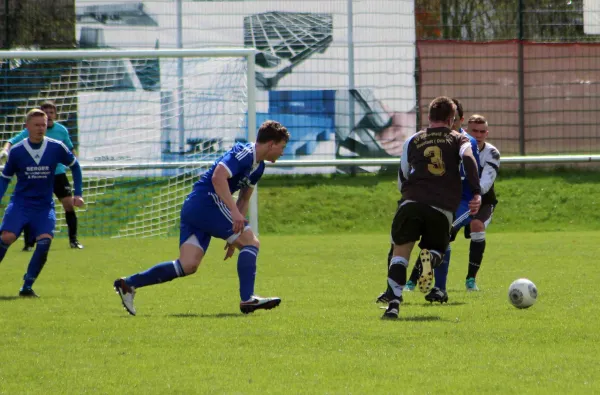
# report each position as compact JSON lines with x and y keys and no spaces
{"x":484,"y":20}
{"x":43,"y":24}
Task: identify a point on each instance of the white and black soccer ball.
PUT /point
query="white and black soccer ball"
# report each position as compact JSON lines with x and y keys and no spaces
{"x":522,"y":293}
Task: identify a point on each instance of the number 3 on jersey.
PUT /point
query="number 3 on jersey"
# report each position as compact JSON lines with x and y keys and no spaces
{"x":436,"y":167}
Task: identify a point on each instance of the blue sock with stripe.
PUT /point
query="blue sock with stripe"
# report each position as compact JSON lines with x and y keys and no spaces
{"x":441,"y":273}
{"x":246,"y":267}
{"x":38,"y":260}
{"x":160,"y":273}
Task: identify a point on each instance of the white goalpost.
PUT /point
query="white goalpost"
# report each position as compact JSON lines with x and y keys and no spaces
{"x":146,"y":124}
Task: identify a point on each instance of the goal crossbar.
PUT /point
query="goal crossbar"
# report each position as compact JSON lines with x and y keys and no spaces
{"x":83,"y":54}
{"x":128,"y":53}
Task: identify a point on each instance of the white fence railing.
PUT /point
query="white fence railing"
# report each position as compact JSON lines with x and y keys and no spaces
{"x":548,"y":159}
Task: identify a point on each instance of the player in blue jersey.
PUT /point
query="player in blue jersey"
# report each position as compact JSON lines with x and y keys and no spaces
{"x":211,"y":211}
{"x":62,"y":187}
{"x":34,"y":162}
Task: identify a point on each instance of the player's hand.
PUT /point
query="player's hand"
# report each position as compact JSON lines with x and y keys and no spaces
{"x":474,"y":204}
{"x":78,"y":201}
{"x":230,"y":250}
{"x":239,"y":222}
{"x":3,"y":156}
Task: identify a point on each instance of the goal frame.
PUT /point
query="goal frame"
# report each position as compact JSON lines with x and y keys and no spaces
{"x":247,"y":53}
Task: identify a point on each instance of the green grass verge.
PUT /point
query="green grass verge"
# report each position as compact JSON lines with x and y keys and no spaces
{"x":538,"y":201}
{"x":326,"y":337}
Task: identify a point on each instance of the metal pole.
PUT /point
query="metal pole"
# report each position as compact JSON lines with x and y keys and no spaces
{"x":253,"y":208}
{"x":180,"y":86}
{"x":521,"y":79}
{"x":351,"y":115}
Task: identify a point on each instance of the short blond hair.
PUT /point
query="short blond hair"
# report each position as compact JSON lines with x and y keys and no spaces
{"x":479,"y":119}
{"x":36,"y":112}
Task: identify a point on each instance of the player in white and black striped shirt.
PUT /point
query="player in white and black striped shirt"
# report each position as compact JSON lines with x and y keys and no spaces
{"x":489,"y":162}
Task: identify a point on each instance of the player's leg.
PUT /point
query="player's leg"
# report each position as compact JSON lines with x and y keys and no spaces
{"x":28,"y":240}
{"x":384,"y":296}
{"x":63,"y":191}
{"x":41,"y":224}
{"x":12,"y":223}
{"x":36,"y":264}
{"x":463,"y":218}
{"x":249,"y":247}
{"x":6,"y":239}
{"x":406,"y":230}
{"x":434,"y":242}
{"x":192,"y":247}
{"x":414,"y":275}
{"x":477,"y":247}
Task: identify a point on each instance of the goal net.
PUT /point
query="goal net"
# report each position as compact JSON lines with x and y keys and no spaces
{"x":145,"y":125}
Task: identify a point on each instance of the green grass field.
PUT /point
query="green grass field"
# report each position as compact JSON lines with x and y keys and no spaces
{"x":327,"y":335}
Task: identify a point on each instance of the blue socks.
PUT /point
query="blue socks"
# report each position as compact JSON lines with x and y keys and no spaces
{"x":441,"y":273}
{"x":246,"y":267}
{"x":38,"y":260}
{"x":3,"y":249}
{"x":160,"y":273}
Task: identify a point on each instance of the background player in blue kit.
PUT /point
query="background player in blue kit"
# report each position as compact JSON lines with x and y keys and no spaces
{"x":34,"y":161}
{"x":211,"y":211}
{"x":62,"y":187}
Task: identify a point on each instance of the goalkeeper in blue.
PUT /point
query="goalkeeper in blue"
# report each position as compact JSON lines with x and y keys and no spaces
{"x":211,"y":211}
{"x":34,"y":161}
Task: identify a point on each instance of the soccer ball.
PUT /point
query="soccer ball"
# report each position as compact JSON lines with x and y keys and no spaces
{"x":522,"y":293}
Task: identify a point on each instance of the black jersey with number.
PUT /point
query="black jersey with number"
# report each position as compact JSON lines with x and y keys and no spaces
{"x":429,"y":168}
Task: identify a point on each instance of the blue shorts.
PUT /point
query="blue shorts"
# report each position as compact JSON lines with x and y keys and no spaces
{"x":462,"y":216}
{"x":39,"y":220}
{"x":204,"y":215}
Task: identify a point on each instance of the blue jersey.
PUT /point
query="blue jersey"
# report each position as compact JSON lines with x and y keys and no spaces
{"x":35,"y":169}
{"x":240,"y":163}
{"x":56,"y":132}
{"x":466,"y":188}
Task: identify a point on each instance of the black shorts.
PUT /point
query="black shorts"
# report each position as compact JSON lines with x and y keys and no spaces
{"x":484,"y":215}
{"x":62,"y":187}
{"x":414,"y":221}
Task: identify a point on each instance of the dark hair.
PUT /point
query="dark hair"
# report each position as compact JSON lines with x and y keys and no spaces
{"x":459,"y":107}
{"x":272,"y":131}
{"x":48,"y":104}
{"x":441,"y":108}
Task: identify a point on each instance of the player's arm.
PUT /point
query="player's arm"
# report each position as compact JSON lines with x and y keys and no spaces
{"x":490,"y":171}
{"x":7,"y":173}
{"x":219,"y":181}
{"x":476,"y":153}
{"x":66,"y":139}
{"x":471,"y":173}
{"x":21,"y":136}
{"x":243,"y":201}
{"x":404,"y":169}
{"x":68,"y":159}
{"x":77,"y":178}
